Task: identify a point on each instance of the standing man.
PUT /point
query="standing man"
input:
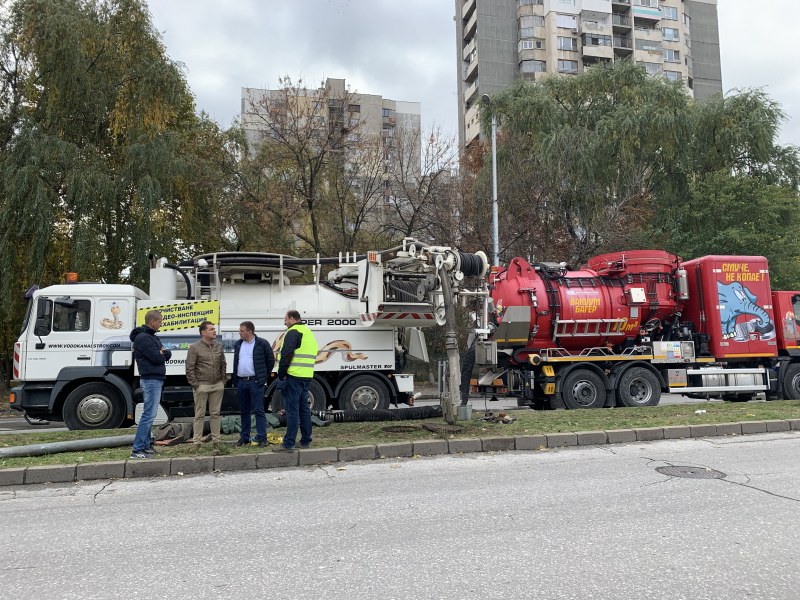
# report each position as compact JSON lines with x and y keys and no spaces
{"x":151,"y":358}
{"x":252,"y":363}
{"x":205,"y":371}
{"x":296,"y":358}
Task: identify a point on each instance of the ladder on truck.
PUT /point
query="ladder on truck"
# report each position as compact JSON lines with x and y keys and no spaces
{"x":588,"y":327}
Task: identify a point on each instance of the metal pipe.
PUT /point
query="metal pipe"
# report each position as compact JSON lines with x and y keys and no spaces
{"x":495,"y":225}
{"x":71,"y":446}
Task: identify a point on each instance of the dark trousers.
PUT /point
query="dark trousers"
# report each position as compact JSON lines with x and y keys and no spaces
{"x":251,"y":400}
{"x":295,"y":399}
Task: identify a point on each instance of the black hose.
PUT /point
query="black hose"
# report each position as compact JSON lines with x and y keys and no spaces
{"x":400,"y":414}
{"x":405,"y":291}
{"x":471,"y":264}
{"x":185,"y":278}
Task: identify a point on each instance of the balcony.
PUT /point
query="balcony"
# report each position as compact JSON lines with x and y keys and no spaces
{"x":623,"y":2}
{"x":646,"y":13}
{"x":470,"y":92}
{"x":471,"y":26}
{"x":468,"y":49}
{"x":471,"y":70}
{"x":594,"y":53}
{"x":467,"y":8}
{"x":621,"y":23}
{"x":622,"y":45}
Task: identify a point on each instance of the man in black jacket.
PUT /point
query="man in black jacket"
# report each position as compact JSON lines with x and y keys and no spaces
{"x":252,"y":363}
{"x":151,"y":358}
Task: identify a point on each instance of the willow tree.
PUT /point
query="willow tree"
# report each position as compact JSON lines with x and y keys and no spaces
{"x":99,"y":159}
{"x":582,"y":155}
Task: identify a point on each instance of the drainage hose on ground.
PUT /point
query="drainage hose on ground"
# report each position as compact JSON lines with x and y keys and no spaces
{"x":400,"y":414}
{"x":72,"y":446}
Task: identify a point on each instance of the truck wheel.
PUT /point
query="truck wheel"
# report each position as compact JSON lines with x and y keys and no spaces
{"x":791,"y":382}
{"x":583,"y":388}
{"x":364,"y":392}
{"x":94,"y":406}
{"x":317,"y":398}
{"x":638,"y":387}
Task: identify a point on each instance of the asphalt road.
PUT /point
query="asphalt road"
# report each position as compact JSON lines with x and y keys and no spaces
{"x":573,"y":523}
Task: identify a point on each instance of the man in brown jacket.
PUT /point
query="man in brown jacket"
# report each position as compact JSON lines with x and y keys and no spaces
{"x":205,"y":371}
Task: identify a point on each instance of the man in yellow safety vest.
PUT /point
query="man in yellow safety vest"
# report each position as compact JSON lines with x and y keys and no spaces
{"x":296,"y":358}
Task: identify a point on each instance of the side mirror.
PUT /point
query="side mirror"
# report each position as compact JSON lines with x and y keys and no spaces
{"x":42,"y":327}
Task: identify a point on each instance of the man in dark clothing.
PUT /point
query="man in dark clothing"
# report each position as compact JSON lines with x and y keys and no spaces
{"x":296,"y":358}
{"x":151,"y":359}
{"x":252,"y":363}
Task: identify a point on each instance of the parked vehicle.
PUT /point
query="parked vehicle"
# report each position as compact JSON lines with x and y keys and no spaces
{"x":632,"y":325}
{"x":75,"y":363}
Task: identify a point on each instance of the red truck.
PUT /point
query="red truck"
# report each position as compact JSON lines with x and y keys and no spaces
{"x":632,"y":325}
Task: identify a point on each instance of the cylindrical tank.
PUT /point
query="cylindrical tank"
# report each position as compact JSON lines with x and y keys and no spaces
{"x":163,"y":282}
{"x":606,"y":303}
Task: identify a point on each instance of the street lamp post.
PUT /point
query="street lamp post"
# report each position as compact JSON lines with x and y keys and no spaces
{"x":495,"y":226}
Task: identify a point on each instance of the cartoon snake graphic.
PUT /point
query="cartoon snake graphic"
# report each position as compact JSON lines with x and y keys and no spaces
{"x":114,"y":323}
{"x":329,"y":350}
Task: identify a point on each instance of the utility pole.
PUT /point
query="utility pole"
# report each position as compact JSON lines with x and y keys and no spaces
{"x":495,"y":224}
{"x":451,"y":345}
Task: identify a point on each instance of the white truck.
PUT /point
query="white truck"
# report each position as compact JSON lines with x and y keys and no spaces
{"x":74,"y":359}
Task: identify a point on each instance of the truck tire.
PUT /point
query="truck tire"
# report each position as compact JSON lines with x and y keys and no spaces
{"x":317,"y":398}
{"x":583,"y":388}
{"x":364,"y":392}
{"x":94,"y":405}
{"x":638,"y":387}
{"x":791,"y":382}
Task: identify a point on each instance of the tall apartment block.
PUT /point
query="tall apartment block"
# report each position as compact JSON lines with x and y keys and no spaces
{"x":499,"y":41}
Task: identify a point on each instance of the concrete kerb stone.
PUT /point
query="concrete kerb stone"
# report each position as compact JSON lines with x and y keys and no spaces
{"x":753,"y":427}
{"x":14,"y":476}
{"x":191,"y":464}
{"x":649,"y":434}
{"x":465,"y":445}
{"x":794,"y":424}
{"x":113,"y":469}
{"x":620,"y":436}
{"x":777,"y":425}
{"x":153,"y":467}
{"x":729,"y":428}
{"x":591,"y":438}
{"x":50,"y":474}
{"x":705,"y":430}
{"x":235,"y":462}
{"x":271,"y":460}
{"x":430,"y":447}
{"x":497,"y":444}
{"x":318,"y":456}
{"x":676,"y":432}
{"x":358,"y":453}
{"x":395,"y":450}
{"x":530,"y":442}
{"x":558,"y":440}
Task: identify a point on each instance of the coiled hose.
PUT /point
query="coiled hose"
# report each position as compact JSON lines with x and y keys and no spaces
{"x":400,"y":414}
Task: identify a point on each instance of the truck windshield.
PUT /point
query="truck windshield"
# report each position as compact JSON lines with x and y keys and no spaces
{"x":27,"y":318}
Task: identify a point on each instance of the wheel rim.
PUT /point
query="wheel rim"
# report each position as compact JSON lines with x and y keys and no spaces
{"x":365,"y":397}
{"x":584,"y":393}
{"x":94,"y":409}
{"x":640,"y":391}
{"x":796,"y":385}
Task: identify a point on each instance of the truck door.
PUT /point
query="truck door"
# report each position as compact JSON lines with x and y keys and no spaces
{"x":60,"y":336}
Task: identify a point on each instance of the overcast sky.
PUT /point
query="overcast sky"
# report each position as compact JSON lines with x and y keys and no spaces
{"x":405,"y":50}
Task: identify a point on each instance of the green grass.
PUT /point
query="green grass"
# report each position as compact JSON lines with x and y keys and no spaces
{"x":527,"y":422}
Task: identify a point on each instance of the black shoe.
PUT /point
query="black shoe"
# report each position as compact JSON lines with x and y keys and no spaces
{"x":305,"y":446}
{"x":262,"y":443}
{"x":241,"y":443}
{"x":282,"y":449}
{"x":149,"y":451}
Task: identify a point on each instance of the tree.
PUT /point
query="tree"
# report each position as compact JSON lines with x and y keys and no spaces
{"x":103,"y":158}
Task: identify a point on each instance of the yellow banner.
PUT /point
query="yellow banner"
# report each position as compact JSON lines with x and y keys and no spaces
{"x":186,"y":315}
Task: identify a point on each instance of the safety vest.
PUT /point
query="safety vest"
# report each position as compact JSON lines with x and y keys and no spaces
{"x":302,"y":365}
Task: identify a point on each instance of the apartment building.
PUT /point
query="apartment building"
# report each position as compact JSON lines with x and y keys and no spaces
{"x":499,"y":41}
{"x":370,"y":122}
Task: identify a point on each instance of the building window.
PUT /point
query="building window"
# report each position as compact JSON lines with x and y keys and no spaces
{"x":529,"y":2}
{"x":387,"y":112}
{"x":566,"y":21}
{"x":673,"y":56}
{"x":671,"y":34}
{"x":648,"y":45}
{"x":354,"y":108}
{"x":650,"y":3}
{"x":526,"y":45}
{"x":567,"y":66}
{"x":670,"y":13}
{"x":651,"y":68}
{"x":567,"y":43}
{"x":592,"y":39}
{"x":673,"y":75}
{"x":533,"y":66}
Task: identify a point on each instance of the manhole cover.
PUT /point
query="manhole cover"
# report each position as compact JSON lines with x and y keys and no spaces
{"x":399,"y":428}
{"x":691,"y":472}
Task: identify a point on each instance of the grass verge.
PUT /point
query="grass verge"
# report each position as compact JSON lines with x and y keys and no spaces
{"x":356,"y":434}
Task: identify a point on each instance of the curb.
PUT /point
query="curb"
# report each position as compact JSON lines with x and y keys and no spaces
{"x":162,"y":467}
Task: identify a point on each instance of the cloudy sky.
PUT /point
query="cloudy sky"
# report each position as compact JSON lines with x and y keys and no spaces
{"x":405,"y":50}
